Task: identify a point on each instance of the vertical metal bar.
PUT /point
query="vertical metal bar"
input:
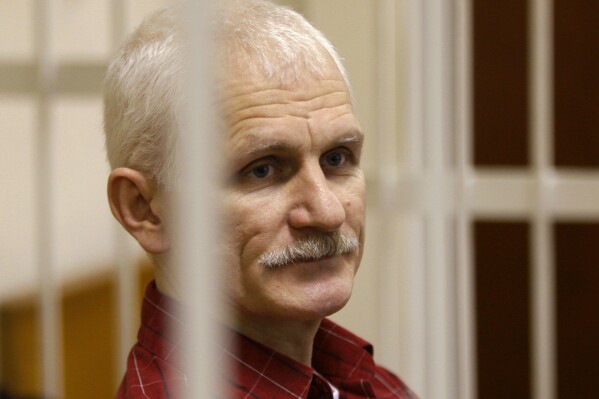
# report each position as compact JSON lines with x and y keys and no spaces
{"x":122,"y":11}
{"x":541,"y":99}
{"x":415,"y":167}
{"x":386,"y":90}
{"x":416,"y":87}
{"x":126,"y":270}
{"x":465,"y":279}
{"x":389,"y":272}
{"x":441,"y":361}
{"x":49,"y":299}
{"x":197,"y":211}
{"x":126,"y":293}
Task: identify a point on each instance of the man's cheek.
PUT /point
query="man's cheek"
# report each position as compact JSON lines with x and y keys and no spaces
{"x":243,"y":237}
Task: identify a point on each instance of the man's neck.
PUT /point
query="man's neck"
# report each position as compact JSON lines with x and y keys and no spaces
{"x":293,"y":339}
{"x":166,"y":281}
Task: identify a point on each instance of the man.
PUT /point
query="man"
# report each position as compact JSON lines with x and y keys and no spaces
{"x":294,"y":199}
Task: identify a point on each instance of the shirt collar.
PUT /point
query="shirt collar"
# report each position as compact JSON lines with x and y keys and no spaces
{"x":340,"y":355}
{"x":256,"y":368}
{"x":159,"y":323}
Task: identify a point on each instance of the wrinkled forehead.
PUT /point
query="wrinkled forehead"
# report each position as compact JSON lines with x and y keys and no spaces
{"x":249,"y":101}
{"x":234,"y":63}
{"x":240,"y":79}
{"x":262,"y":114}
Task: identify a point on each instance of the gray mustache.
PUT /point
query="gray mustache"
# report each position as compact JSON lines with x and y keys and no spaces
{"x":311,"y":248}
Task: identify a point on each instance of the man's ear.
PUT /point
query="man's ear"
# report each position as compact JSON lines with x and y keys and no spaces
{"x":137,"y":205}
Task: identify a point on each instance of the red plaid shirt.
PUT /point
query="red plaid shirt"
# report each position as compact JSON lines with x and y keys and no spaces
{"x":339,"y":358}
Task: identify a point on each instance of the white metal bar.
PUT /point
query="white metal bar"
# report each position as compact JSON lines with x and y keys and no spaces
{"x":415,"y":122}
{"x":465,"y":274}
{"x":121,"y":15}
{"x":49,"y":300}
{"x":503,"y":194}
{"x":575,"y":197}
{"x":416,"y":318}
{"x":415,"y":349}
{"x":197,"y":211}
{"x":386,"y":90}
{"x":508,"y":194}
{"x":541,"y":96}
{"x":441,"y":328}
{"x":127,"y":289}
{"x":389,"y":274}
{"x":127,"y":286}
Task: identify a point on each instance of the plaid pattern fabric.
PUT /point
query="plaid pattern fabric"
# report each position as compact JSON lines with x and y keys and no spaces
{"x":254,"y":370}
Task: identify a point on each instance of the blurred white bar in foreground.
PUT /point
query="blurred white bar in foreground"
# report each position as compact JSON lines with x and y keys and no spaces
{"x":196,"y":209}
{"x":50,"y":319}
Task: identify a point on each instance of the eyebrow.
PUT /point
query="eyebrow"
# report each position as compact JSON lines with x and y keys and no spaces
{"x":354,"y":137}
{"x":274,"y":146}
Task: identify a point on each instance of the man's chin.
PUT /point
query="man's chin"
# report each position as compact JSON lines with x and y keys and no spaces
{"x":323,"y":305}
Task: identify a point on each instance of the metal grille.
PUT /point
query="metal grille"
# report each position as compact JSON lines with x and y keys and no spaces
{"x":424,"y":189}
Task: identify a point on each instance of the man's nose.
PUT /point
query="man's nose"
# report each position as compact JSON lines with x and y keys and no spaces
{"x":316,"y":205}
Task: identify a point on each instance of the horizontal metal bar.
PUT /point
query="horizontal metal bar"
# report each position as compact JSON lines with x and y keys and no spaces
{"x":572,"y":196}
{"x":502,"y":194}
{"x":22,"y":78}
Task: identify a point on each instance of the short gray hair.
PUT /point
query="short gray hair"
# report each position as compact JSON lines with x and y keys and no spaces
{"x":142,"y":85}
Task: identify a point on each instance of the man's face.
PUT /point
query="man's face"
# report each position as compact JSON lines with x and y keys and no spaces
{"x":293,"y":158}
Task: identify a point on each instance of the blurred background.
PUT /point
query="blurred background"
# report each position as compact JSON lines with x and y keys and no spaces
{"x":481,"y":272}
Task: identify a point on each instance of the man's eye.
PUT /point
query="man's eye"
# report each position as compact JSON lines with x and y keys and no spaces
{"x":335,"y":158}
{"x":261,"y":171}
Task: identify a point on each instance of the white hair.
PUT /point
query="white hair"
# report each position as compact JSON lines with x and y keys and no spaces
{"x":142,"y":86}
